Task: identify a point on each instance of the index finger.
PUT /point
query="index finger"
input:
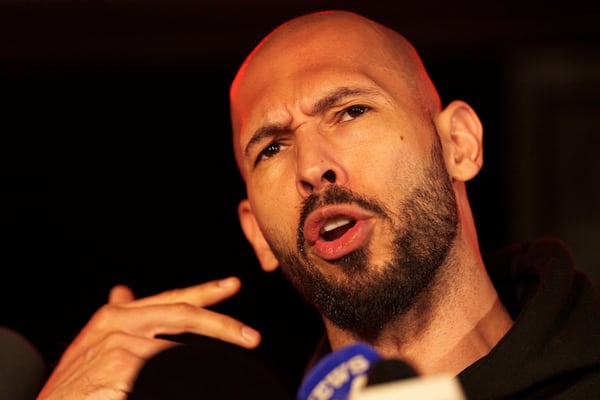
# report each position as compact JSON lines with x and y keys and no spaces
{"x":202,"y":295}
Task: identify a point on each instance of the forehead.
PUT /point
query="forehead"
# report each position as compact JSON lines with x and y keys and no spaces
{"x":289,"y":49}
{"x":295,"y":65}
{"x":304,"y":59}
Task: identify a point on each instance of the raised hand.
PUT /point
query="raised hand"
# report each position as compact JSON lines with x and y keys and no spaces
{"x":106,"y":356}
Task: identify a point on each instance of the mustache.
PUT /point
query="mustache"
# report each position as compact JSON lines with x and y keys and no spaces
{"x":338,"y":195}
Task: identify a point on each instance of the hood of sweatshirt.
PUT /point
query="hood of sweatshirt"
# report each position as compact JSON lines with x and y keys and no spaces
{"x":553,"y":348}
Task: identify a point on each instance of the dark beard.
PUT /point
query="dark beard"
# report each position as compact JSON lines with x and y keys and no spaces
{"x":372,"y":297}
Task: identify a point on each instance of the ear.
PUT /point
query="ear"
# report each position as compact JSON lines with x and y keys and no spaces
{"x":256,"y":238}
{"x":461,"y":134}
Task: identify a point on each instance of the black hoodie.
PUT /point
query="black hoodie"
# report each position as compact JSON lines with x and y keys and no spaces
{"x":553,"y":349}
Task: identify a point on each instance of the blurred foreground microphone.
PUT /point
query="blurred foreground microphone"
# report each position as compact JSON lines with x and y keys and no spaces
{"x":22,"y":367}
{"x":333,"y":376}
{"x":207,"y":368}
{"x":392,"y":379}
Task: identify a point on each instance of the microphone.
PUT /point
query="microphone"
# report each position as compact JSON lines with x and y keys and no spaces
{"x":332,"y":377}
{"x":206,"y":368}
{"x":22,"y":367}
{"x":392,"y":379}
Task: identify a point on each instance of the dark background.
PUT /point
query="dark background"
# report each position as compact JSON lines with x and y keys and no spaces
{"x":117,"y":164}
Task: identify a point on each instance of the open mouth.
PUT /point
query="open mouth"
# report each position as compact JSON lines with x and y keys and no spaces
{"x":335,"y":228}
{"x":334,"y":231}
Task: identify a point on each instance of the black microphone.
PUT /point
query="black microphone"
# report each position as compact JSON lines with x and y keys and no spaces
{"x":207,"y":368}
{"x":393,"y":379}
{"x":22,"y":367}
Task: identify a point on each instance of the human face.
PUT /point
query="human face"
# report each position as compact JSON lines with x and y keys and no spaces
{"x":334,"y":148}
{"x":370,"y":296}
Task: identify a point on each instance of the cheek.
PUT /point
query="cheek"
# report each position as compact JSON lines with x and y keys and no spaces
{"x":271,"y":191}
{"x":387,"y":173}
{"x":276,"y":209}
{"x":384,"y":163}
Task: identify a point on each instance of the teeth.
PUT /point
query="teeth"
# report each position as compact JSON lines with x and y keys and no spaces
{"x":334,"y":223}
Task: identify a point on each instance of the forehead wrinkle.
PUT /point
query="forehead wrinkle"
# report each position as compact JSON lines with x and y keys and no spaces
{"x":335,"y":96}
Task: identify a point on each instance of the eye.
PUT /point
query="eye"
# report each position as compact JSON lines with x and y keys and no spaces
{"x":352,"y":112}
{"x":271,"y":150}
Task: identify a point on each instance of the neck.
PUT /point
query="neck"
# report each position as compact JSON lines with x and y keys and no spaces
{"x":448,"y":332}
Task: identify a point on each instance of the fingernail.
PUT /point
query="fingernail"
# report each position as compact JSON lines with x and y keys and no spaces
{"x":227,"y":282}
{"x":250,"y":334}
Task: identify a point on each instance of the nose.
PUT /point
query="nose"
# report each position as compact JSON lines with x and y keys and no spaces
{"x":317,"y":165}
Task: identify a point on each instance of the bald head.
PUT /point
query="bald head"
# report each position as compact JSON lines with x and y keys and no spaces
{"x":280,"y":70}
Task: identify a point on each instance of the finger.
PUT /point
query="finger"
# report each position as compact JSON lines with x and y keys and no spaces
{"x":179,"y":318}
{"x":120,"y":294}
{"x":202,"y":295}
{"x":166,"y":318}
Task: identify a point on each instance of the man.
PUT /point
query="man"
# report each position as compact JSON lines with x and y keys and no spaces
{"x":355,"y":176}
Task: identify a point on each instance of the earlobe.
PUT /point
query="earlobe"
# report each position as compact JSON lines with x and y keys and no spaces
{"x":461,"y":133}
{"x":255,"y":236}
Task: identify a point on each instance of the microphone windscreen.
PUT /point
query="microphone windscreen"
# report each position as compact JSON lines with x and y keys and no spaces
{"x":389,"y":370}
{"x":332,"y":376}
{"x":22,"y":367}
{"x":207,"y":368}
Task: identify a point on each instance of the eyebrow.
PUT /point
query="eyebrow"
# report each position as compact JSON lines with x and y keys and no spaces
{"x":263,"y":133}
{"x":268,"y":131}
{"x":337,"y":95}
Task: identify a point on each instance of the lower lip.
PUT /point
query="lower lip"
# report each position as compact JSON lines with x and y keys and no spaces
{"x":353,"y":239}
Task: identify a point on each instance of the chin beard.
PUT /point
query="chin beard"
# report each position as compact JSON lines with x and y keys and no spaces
{"x":369,"y":297}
